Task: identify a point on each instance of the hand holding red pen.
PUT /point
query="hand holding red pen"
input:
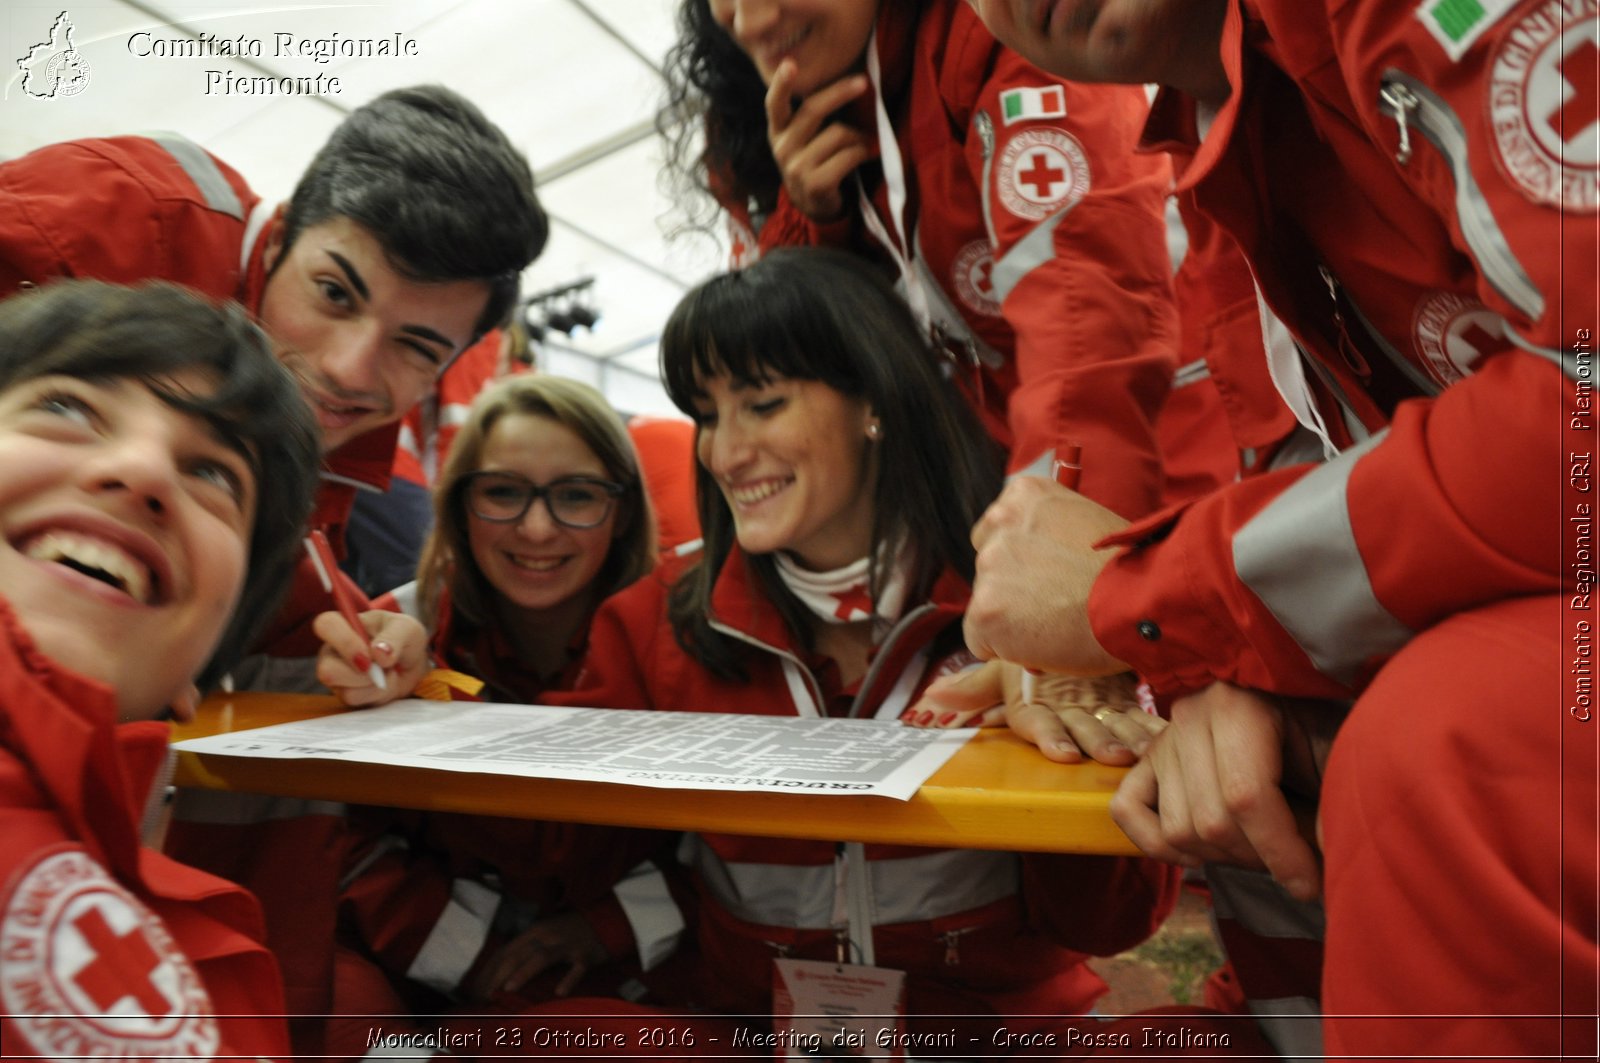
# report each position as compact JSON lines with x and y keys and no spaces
{"x":370,"y":657}
{"x":1036,"y":565}
{"x":327,"y":571}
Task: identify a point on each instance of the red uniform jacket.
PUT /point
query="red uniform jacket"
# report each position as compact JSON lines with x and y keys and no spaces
{"x":127,"y":209}
{"x":131,"y":209}
{"x":1224,"y":418}
{"x":1426,"y":275}
{"x":110,"y":949}
{"x":1038,"y":241}
{"x":667,"y":462}
{"x":1407,"y":182}
{"x":429,"y":428}
{"x":1001,"y":932}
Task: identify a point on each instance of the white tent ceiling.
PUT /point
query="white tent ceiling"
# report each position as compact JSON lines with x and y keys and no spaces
{"x":574,"y":83}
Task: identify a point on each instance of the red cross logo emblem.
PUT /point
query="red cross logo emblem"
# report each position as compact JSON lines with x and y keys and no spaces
{"x":743,"y":249}
{"x":1580,"y":69}
{"x":853,"y":600}
{"x":1544,"y":105}
{"x":1454,"y":333}
{"x":984,"y":279}
{"x":90,"y":973}
{"x":1481,"y":342}
{"x":1040,"y":171}
{"x":972,"y":274}
{"x":1041,"y":176}
{"x":121,"y":967}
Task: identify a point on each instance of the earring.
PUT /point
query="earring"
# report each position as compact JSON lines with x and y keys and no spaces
{"x":874,"y":430}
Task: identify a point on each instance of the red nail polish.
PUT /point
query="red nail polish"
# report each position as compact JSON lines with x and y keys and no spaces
{"x":908,"y":714}
{"x":925,"y":718}
{"x":945,"y":720}
{"x":362,"y":662}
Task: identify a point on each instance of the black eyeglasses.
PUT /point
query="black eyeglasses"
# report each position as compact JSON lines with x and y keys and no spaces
{"x":575,"y":501}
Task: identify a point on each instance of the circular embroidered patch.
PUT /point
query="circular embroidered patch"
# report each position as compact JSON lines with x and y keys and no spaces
{"x":87,"y":971}
{"x":1453,"y":332}
{"x":1544,"y":104}
{"x":1041,"y":171}
{"x":972,"y":274}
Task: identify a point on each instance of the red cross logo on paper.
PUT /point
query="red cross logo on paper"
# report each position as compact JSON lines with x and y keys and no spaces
{"x":1042,"y":171}
{"x":1544,"y":104}
{"x":89,"y":971}
{"x":1453,"y":334}
{"x":972,"y":274}
{"x":852,"y":601}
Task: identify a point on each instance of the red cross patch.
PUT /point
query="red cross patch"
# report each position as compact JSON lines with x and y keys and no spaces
{"x":1544,"y":105}
{"x":743,"y":247}
{"x":1041,"y":171}
{"x":972,"y":274}
{"x":1453,"y":333}
{"x":86,"y":970}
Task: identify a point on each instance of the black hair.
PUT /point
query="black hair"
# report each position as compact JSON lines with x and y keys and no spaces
{"x":713,"y":88}
{"x":440,"y":187}
{"x":90,"y":329}
{"x":816,"y":314}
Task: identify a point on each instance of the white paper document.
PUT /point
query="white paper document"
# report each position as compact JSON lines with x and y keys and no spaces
{"x":669,"y":750}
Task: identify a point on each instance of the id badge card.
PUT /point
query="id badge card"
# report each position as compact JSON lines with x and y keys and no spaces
{"x":838,"y":1010}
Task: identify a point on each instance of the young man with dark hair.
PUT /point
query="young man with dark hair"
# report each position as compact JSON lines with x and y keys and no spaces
{"x":1415,"y":186}
{"x":156,"y":467}
{"x":400,"y":246}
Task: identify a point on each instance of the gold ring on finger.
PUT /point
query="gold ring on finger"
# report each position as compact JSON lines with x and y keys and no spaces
{"x":1103,"y":714}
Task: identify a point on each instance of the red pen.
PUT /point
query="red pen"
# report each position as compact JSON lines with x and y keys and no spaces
{"x":322,"y":560}
{"x":1067,"y":471}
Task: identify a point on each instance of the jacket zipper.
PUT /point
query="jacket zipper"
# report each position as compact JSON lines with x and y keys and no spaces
{"x":985,"y":128}
{"x":1413,"y":105}
{"x":749,"y":640}
{"x":885,"y":652}
{"x":1398,"y":102}
{"x":952,"y":944}
{"x":1352,"y":354}
{"x":1347,"y":349}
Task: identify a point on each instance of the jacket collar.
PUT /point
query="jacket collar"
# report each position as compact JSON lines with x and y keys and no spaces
{"x":64,"y":727}
{"x":365,"y":462}
{"x":1173,"y":124}
{"x":739,"y":604}
{"x":897,"y":38}
{"x":486,"y":653}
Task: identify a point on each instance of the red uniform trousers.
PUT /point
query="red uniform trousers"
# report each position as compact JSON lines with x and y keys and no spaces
{"x":1490,"y":790}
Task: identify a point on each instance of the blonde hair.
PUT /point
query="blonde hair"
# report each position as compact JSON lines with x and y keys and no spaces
{"x":447,"y":560}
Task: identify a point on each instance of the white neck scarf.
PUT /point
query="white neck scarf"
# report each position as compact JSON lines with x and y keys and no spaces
{"x":843,"y":596}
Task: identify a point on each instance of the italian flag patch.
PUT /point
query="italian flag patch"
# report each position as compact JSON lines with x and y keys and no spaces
{"x":1456,"y":24}
{"x":1021,"y":105}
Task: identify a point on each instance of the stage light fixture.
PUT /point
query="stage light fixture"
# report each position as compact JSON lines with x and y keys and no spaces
{"x":562,"y":309}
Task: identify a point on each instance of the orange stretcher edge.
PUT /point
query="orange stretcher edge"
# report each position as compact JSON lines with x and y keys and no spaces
{"x":997,"y":792}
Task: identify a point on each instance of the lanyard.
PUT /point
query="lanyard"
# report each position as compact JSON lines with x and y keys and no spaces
{"x":894,"y":181}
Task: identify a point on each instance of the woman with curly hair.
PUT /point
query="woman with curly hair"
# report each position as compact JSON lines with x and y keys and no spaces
{"x":1028,"y":235}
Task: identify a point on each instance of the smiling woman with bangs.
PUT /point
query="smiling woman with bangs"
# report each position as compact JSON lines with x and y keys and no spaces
{"x":838,"y":476}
